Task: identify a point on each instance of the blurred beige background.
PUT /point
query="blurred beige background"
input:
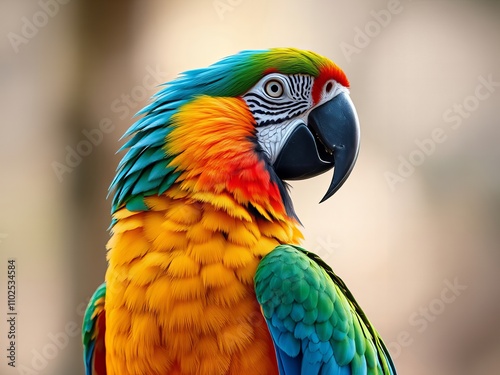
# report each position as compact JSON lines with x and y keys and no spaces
{"x":418,"y":245}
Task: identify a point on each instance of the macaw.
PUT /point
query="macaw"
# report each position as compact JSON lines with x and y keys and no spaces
{"x":205,"y":273}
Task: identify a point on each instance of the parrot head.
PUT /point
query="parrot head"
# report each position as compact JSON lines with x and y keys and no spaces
{"x":244,"y":124}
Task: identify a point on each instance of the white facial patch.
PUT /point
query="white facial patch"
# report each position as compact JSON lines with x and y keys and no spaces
{"x":330,"y":90}
{"x":272,"y":137}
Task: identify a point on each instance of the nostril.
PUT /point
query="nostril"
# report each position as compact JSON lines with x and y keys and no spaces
{"x":328,"y":87}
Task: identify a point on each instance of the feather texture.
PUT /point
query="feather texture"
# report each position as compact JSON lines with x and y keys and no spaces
{"x":94,"y":324}
{"x":314,"y":320}
{"x":180,"y":294}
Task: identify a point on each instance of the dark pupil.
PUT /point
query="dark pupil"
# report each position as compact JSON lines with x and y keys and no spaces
{"x":329,"y":86}
{"x":274,"y":88}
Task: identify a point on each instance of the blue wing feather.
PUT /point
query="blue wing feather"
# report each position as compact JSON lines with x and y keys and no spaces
{"x":286,"y":364}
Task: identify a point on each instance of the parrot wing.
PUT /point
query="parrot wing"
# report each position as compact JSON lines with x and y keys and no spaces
{"x":316,"y":324}
{"x":93,"y":329}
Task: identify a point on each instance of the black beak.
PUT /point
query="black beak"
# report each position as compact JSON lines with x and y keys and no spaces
{"x":331,"y":138}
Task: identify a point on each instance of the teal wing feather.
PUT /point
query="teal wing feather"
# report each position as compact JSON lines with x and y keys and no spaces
{"x":93,"y":330}
{"x":315,"y":322}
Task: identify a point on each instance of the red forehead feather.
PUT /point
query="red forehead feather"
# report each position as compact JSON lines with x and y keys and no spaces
{"x":270,"y":70}
{"x":326,"y":73}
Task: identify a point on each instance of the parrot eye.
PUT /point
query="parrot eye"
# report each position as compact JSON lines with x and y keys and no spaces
{"x":274,"y":88}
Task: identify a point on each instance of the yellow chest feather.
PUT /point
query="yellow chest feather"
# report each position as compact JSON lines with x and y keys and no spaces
{"x":180,"y":294}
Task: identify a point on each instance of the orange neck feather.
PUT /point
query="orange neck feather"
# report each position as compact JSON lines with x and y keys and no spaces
{"x":214,"y":140}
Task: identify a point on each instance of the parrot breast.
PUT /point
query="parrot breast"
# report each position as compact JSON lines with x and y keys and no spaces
{"x":180,"y":293}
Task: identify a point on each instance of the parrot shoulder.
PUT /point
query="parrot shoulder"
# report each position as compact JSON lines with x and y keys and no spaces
{"x":316,"y":324}
{"x":93,"y":329}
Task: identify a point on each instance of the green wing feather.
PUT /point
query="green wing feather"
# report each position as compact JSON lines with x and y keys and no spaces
{"x":317,"y":325}
{"x":93,"y":329}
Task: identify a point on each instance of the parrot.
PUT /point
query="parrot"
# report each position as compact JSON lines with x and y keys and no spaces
{"x":205,"y":270}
